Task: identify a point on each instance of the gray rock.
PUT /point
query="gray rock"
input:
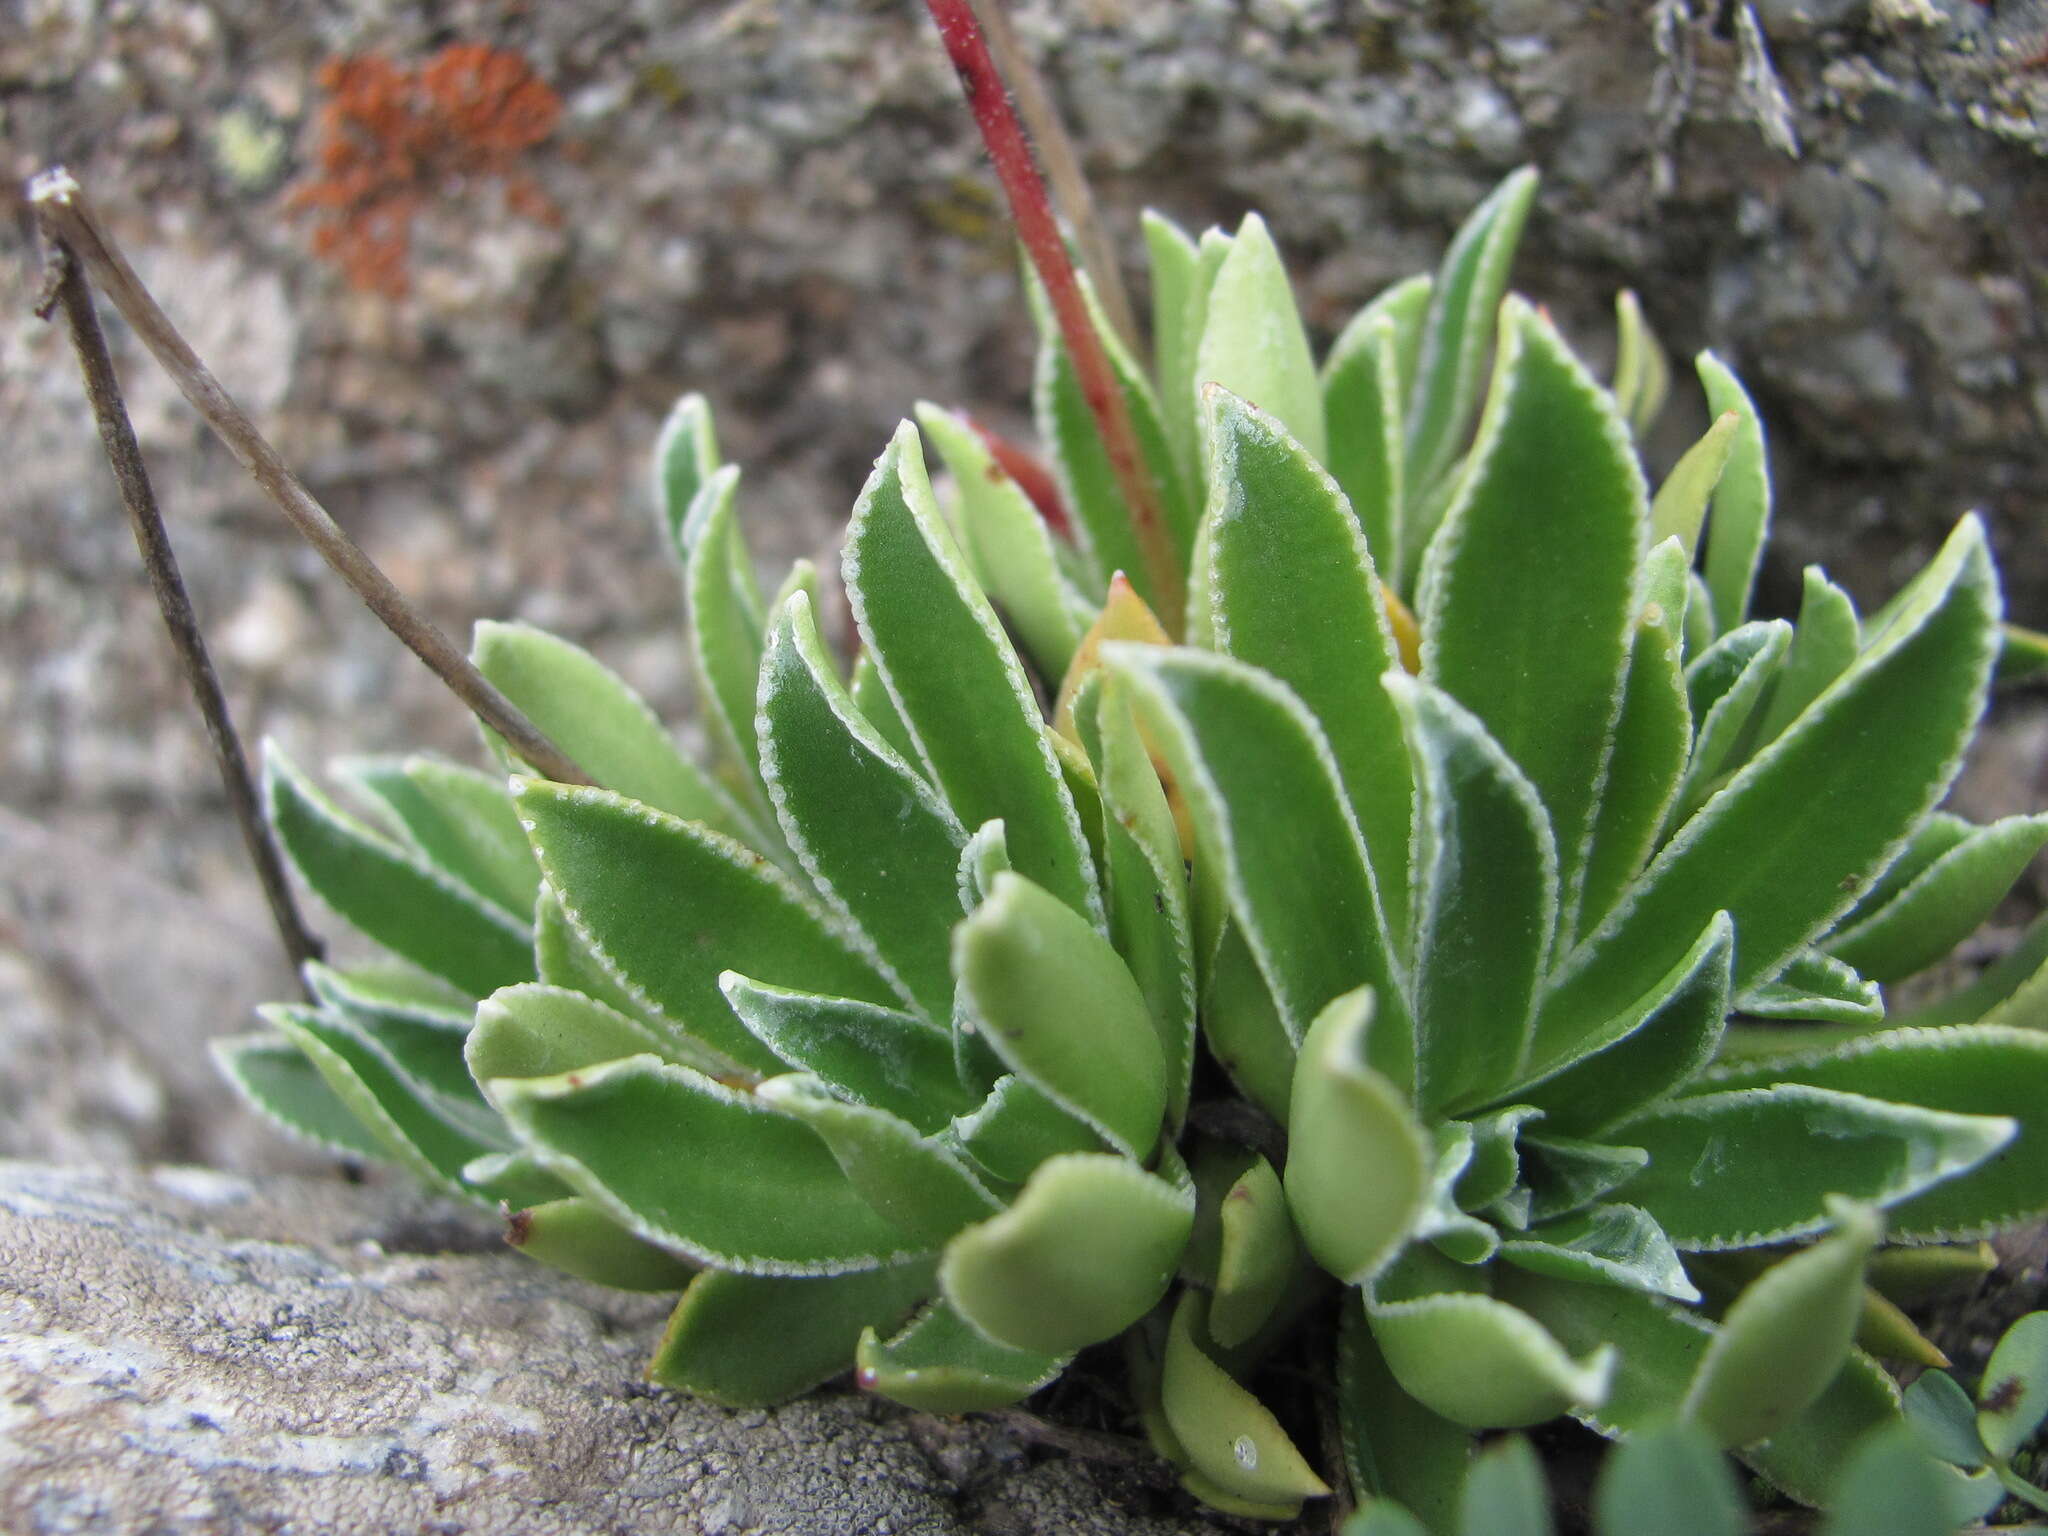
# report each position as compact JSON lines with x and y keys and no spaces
{"x":186,"y":1351}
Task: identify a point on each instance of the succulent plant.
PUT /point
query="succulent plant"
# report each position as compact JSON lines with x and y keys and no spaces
{"x":1672,"y":1480}
{"x":1984,"y":1439}
{"x":1434,"y":903}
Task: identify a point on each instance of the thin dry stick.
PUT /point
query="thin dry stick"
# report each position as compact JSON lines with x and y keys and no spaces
{"x":1063,"y":171}
{"x":1031,"y":212}
{"x":66,"y":221}
{"x":66,"y":289}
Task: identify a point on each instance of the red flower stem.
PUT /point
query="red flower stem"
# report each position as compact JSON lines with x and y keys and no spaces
{"x":1031,"y":211}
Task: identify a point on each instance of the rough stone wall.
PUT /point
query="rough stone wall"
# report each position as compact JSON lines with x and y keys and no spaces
{"x":782,"y":202}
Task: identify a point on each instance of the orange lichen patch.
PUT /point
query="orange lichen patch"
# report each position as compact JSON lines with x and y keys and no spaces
{"x":390,"y":136}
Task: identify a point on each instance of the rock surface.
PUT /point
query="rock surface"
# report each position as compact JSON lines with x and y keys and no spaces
{"x":187,"y":1351}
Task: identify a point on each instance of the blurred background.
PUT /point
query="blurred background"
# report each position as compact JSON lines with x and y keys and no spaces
{"x":543,"y":222}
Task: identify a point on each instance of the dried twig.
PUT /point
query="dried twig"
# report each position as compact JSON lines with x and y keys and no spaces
{"x":1030,"y":209}
{"x":67,"y":222}
{"x":1063,"y":171}
{"x":65,"y":288}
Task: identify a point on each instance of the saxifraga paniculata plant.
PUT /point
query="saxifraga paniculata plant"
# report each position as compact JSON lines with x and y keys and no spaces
{"x":1500,"y":984}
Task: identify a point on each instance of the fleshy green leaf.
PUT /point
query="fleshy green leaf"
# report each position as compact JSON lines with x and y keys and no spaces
{"x":1816,"y":987}
{"x":917,"y":1184}
{"x":940,"y":1364}
{"x":1088,"y":1248}
{"x":685,"y":457}
{"x":1982,"y":1070}
{"x":590,"y":713}
{"x":1785,"y":1337}
{"x":985,"y":856}
{"x":1945,"y":1419}
{"x":1253,"y":343}
{"x":1812,"y":813}
{"x":1726,"y":686}
{"x":425,"y":1144}
{"x":393,"y":987}
{"x":416,"y":1045}
{"x":2013,"y":1398}
{"x":1505,"y":1493}
{"x":1231,"y":1437}
{"x":1680,"y":505}
{"x":1475,"y":1360}
{"x":1347,"y":1117}
{"x":1672,"y":1480}
{"x":1017,"y":1128}
{"x":564,"y":958}
{"x":878,"y":844}
{"x":1939,"y":833}
{"x":1486,"y":900}
{"x":513,"y":1179}
{"x":1606,"y":1245}
{"x":1294,"y":592}
{"x":1642,"y":373}
{"x":1007,"y":544}
{"x":2022,"y":654}
{"x":1179,"y":302}
{"x":1659,"y":1347}
{"x":1062,"y":1010}
{"x":803,"y":577}
{"x":1652,"y":740}
{"x":1383,"y":1517}
{"x":1528,"y":598}
{"x":391,"y":895}
{"x":1944,"y":904}
{"x":946,"y":663}
{"x":541,"y":1031}
{"x":1365,"y":402}
{"x":1663,"y":1043}
{"x":1394,"y":1448}
{"x":1744,"y":1167}
{"x":1741,"y":512}
{"x":1891,"y":1488}
{"x":725,"y":625}
{"x":1698,"y":629}
{"x":1566,"y":1174}
{"x":880,"y":710}
{"x":462,"y":821}
{"x":1265,"y":797}
{"x":1146,"y":886}
{"x":1457,"y":334}
{"x":738,"y":1184}
{"x":876,"y":1056}
{"x":1826,"y":642}
{"x":1257,"y":1255}
{"x":2012,"y":990}
{"x":1927,"y":1271}
{"x":286,"y":1088}
{"x":573,"y":1235}
{"x":671,"y":905}
{"x":751,"y":1340}
{"x":1242,"y":1027}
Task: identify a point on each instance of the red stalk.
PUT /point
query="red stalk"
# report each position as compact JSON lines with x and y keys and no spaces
{"x":1031,"y":211}
{"x":1031,"y":476}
